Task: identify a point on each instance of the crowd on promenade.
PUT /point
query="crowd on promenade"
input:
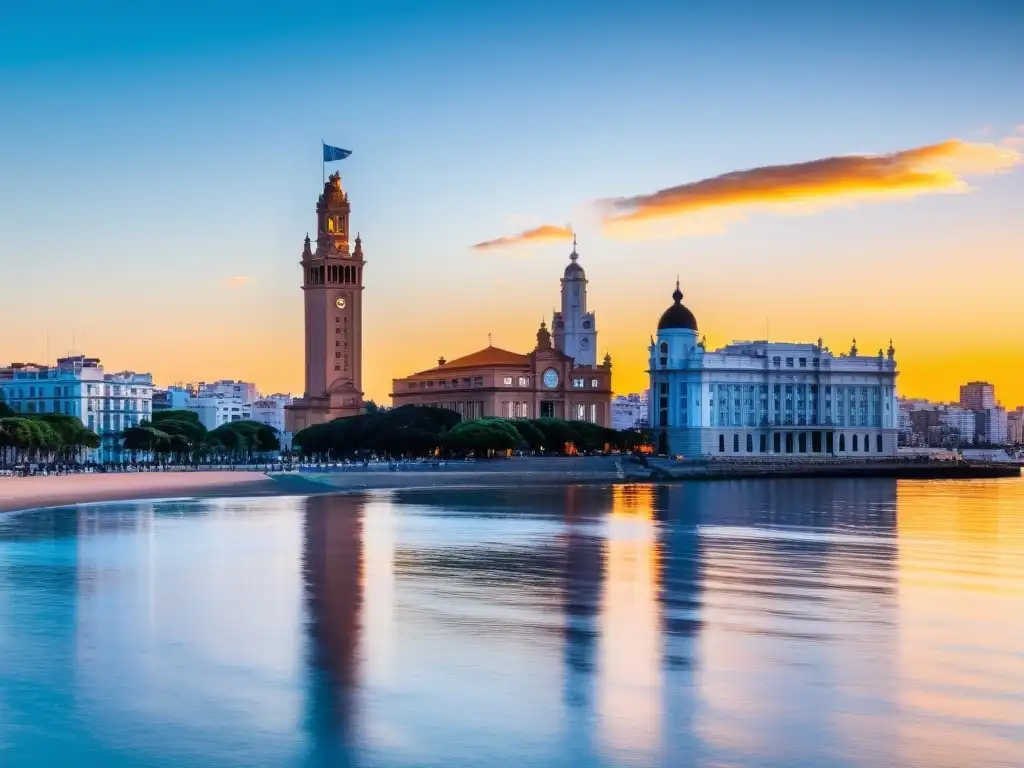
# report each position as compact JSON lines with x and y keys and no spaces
{"x":88,"y":468}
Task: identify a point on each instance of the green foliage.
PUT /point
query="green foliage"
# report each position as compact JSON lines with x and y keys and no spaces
{"x":411,"y":430}
{"x":414,"y":431}
{"x":45,"y":436}
{"x":481,"y":437}
{"x":244,"y":438}
{"x":183,"y":423}
{"x":530,"y":436}
{"x":6,"y":412}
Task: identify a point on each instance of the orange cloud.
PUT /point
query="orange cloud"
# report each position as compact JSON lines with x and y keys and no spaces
{"x":812,"y":185}
{"x":543,"y":233}
{"x":238,"y":281}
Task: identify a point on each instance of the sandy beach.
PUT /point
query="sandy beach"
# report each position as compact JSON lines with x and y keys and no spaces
{"x":35,"y":492}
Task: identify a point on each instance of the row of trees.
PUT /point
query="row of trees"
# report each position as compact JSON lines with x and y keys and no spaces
{"x":179,"y":436}
{"x":44,"y":437}
{"x":416,"y":431}
{"x":171,"y":436}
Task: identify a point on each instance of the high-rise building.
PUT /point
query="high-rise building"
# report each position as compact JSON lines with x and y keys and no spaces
{"x":270,"y":410}
{"x":977,"y":395}
{"x":241,"y":391}
{"x":994,"y":425}
{"x":106,"y":403}
{"x":629,"y":411}
{"x":332,"y":284}
{"x":1015,"y":426}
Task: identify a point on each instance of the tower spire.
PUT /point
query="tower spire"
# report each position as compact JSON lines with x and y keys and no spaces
{"x":573,"y":256}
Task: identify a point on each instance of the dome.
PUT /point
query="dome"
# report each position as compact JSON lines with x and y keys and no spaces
{"x":677,"y":316}
{"x":574,"y":271}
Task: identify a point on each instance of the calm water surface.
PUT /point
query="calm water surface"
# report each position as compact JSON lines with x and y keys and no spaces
{"x":785,"y":623}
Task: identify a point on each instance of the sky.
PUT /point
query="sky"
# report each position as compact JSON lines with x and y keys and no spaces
{"x":160,"y":164}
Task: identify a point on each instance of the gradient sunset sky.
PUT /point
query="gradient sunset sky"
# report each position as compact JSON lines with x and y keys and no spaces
{"x":160,"y":164}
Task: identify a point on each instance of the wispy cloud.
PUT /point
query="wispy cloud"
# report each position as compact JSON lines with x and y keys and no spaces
{"x":1016,"y":141}
{"x":237,"y":281}
{"x":543,"y":233}
{"x":711,"y":204}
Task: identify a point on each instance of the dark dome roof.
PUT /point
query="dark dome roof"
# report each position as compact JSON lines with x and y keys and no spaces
{"x":573,"y":268}
{"x":677,"y":316}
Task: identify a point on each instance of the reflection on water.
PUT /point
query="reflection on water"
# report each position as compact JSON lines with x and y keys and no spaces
{"x":840,"y":623}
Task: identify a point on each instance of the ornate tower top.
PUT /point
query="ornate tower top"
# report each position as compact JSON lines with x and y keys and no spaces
{"x":332,"y":213}
{"x":543,"y":336}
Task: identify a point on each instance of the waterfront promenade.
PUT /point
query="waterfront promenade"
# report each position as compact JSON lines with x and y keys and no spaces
{"x":57,"y":490}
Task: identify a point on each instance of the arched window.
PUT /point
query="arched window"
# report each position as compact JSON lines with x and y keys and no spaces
{"x":721,"y":443}
{"x":867,"y":443}
{"x":750,"y":443}
{"x":854,"y":443}
{"x":878,"y":443}
{"x":842,"y":443}
{"x":663,"y":354}
{"x":735,"y":443}
{"x":586,"y":325}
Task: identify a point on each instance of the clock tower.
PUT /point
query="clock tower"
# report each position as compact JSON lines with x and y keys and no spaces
{"x":332,"y":284}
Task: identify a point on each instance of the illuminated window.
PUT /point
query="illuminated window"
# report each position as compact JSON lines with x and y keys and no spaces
{"x":524,"y":381}
{"x":508,"y":381}
{"x":593,"y":383}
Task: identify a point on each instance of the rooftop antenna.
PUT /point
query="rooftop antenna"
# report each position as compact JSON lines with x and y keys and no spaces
{"x":489,"y":340}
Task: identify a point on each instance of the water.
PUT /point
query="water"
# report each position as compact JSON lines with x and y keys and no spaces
{"x":786,"y":623}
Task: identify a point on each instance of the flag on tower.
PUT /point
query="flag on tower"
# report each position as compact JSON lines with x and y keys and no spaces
{"x":335,"y":153}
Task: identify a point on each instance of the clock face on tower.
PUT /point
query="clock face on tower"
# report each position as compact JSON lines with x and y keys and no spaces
{"x":550,"y":378}
{"x":339,"y":303}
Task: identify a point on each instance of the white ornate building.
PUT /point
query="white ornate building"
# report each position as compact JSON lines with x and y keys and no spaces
{"x":106,"y":403}
{"x":575,"y":329}
{"x":761,"y":397}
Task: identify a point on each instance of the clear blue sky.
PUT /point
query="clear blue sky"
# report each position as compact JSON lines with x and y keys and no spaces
{"x":152,"y":151}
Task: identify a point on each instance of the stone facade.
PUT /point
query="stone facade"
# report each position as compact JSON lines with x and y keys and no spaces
{"x":333,"y":296}
{"x":494,"y":382}
{"x":547,"y":382}
{"x":765,"y":397}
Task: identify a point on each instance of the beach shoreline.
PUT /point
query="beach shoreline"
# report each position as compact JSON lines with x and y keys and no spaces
{"x":68,"y":490}
{"x":23,"y":493}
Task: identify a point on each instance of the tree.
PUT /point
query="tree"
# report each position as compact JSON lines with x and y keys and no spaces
{"x":482,"y":437}
{"x":146,"y":439}
{"x":411,"y":430}
{"x":6,"y":412}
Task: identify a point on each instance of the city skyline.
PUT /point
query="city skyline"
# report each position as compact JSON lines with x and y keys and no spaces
{"x":161,"y":176}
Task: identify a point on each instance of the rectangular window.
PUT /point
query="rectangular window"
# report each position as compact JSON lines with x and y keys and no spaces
{"x":508,"y":381}
{"x":803,"y":362}
{"x":478,"y":381}
{"x":789,"y":362}
{"x":593,"y":383}
{"x":524,"y":381}
{"x":593,"y":413}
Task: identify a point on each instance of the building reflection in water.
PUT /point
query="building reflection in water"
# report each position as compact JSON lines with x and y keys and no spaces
{"x":961,"y":601}
{"x":630,"y":642}
{"x":333,"y":577}
{"x":798,"y":616}
{"x":582,"y":579}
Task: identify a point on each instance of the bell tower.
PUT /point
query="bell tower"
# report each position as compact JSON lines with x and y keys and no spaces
{"x":332,"y":285}
{"x":575,"y":327}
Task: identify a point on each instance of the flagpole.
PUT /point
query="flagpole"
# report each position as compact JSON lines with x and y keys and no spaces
{"x":323,"y":164}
